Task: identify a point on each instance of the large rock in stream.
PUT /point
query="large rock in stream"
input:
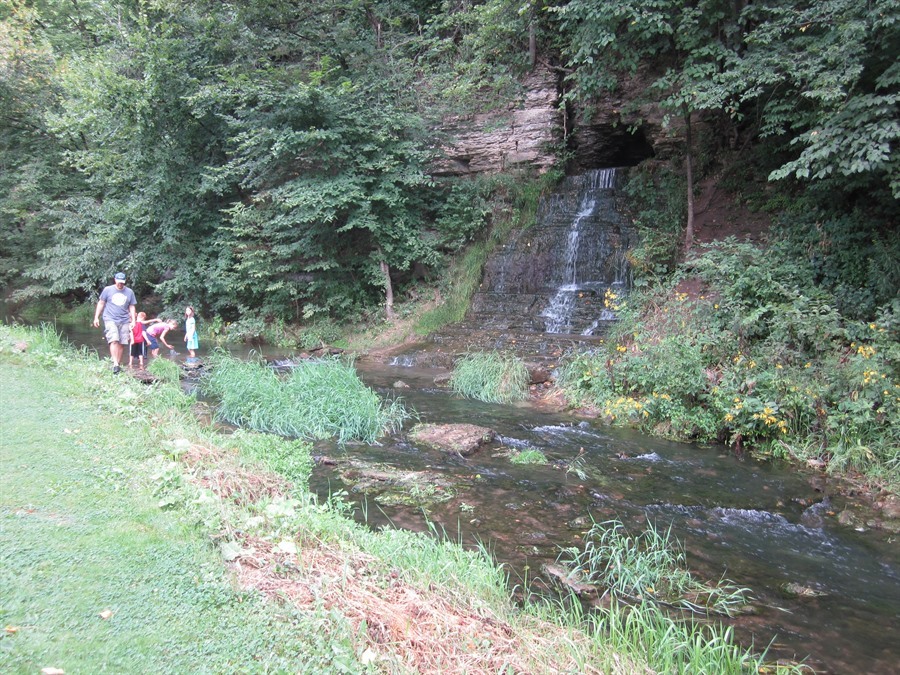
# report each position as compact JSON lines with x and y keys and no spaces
{"x":461,"y":439}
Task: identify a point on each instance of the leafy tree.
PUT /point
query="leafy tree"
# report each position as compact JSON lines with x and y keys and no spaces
{"x":332,"y":193}
{"x":125,"y":127}
{"x":690,"y":43}
{"x":28,"y":154}
{"x":825,"y":76}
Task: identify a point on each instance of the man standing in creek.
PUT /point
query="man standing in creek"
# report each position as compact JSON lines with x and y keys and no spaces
{"x":117,"y":303}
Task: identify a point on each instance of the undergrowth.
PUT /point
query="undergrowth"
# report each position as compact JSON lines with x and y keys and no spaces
{"x":759,"y":357}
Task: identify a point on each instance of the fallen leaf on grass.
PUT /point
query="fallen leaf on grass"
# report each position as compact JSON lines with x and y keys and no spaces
{"x":12,"y":630}
{"x":106,"y":614}
{"x":52,"y":671}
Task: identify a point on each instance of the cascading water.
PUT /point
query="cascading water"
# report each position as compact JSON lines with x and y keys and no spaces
{"x":559,"y":311}
{"x":554,"y":276}
{"x":585,"y":281}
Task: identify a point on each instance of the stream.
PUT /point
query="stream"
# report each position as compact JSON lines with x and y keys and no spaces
{"x":761,"y":525}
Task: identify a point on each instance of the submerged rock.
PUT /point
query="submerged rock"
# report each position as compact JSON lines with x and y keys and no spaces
{"x":461,"y":439}
{"x":390,"y":486}
{"x":572,"y":579}
{"x":443,"y":379}
{"x":795,"y":590}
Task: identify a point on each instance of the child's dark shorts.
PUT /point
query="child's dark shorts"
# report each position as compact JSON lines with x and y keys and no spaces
{"x":138,"y":349}
{"x":152,"y":343}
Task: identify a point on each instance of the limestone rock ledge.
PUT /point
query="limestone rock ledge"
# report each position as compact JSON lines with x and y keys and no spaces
{"x":521,"y":134}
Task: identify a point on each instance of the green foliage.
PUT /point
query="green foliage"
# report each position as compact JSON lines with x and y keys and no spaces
{"x":464,"y":213}
{"x":492,"y":377}
{"x":649,"y":565}
{"x":165,"y":370}
{"x":319,"y":334}
{"x":675,"y":646}
{"x":854,"y":255}
{"x":759,"y":357}
{"x":318,"y":399}
{"x":826,"y":77}
{"x":656,"y":194}
{"x":289,"y":458}
{"x":528,"y":456}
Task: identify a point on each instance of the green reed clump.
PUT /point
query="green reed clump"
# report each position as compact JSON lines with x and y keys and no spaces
{"x":649,"y":565}
{"x":318,"y":399}
{"x":164,"y":369}
{"x":676,"y":646}
{"x":528,"y":456}
{"x":492,"y":377}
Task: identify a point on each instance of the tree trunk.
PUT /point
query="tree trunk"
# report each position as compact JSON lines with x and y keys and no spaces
{"x":388,"y":291}
{"x":532,"y":44}
{"x":689,"y":171}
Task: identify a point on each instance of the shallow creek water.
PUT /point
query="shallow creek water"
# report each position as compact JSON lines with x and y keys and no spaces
{"x":760,"y":524}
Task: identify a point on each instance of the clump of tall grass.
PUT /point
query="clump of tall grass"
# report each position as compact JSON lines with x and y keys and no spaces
{"x":492,"y":377}
{"x":318,"y":399}
{"x":528,"y":456}
{"x":678,"y":647}
{"x":165,"y":370}
{"x":650,"y":565}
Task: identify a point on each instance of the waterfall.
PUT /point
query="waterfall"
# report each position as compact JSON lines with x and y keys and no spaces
{"x":560,"y":308}
{"x":554,"y":276}
{"x":558,"y":313}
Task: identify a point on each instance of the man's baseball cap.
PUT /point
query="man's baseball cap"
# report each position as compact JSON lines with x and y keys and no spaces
{"x":120,"y":276}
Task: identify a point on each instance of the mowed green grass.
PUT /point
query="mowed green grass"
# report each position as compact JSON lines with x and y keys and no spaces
{"x":81,"y":533}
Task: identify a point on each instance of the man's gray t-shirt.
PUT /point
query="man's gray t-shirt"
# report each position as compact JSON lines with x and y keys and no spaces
{"x":117,"y":304}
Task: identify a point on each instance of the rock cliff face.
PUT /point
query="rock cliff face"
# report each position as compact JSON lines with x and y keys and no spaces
{"x":531,"y":129}
{"x":521,"y":134}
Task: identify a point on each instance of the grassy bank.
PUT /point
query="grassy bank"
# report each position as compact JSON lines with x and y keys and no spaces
{"x":135,"y":539}
{"x":95,"y":575}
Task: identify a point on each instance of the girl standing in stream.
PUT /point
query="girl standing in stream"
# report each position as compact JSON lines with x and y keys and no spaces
{"x":190,"y":331}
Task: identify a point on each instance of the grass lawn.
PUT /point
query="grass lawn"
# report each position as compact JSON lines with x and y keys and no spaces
{"x":81,"y":534}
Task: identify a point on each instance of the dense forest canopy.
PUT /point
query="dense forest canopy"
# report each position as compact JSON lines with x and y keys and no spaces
{"x":271,"y":157}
